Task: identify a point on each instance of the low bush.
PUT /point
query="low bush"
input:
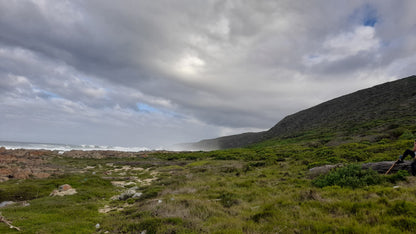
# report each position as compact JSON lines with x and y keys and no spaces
{"x":402,"y":208}
{"x":349,"y":176}
{"x":228,"y":199}
{"x":20,"y":193}
{"x":399,"y":176}
{"x":150,"y":192}
{"x":265,"y":214}
{"x":404,"y":223}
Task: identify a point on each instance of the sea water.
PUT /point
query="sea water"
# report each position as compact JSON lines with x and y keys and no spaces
{"x":66,"y":147}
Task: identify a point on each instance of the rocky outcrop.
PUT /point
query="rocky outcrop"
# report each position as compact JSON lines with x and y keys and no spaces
{"x":98,"y":154}
{"x":24,"y":164}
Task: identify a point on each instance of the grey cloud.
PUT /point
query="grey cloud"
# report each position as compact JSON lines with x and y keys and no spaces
{"x":211,"y":64}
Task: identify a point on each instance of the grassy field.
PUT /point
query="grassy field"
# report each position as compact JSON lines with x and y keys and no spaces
{"x":261,"y":189}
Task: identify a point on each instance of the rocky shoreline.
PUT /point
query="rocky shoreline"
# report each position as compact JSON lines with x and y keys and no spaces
{"x":27,"y":163}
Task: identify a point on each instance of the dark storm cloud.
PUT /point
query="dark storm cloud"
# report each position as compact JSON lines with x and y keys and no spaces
{"x":152,"y":68}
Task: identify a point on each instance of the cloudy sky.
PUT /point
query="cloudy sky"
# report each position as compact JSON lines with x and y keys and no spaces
{"x":152,"y":73}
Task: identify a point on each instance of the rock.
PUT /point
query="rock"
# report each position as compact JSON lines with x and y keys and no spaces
{"x":97,"y":226}
{"x":317,"y":171}
{"x":41,"y":174}
{"x":115,"y":197}
{"x":137,"y":195}
{"x":3,"y":179}
{"x":7,"y":203}
{"x":130,"y":193}
{"x":65,"y":187}
{"x":2,"y":149}
{"x":383,"y":167}
{"x":127,"y":194}
{"x":63,"y":190}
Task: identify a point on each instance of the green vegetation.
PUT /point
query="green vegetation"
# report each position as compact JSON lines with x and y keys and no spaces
{"x":353,"y":176}
{"x":264,"y":188}
{"x":44,"y":214}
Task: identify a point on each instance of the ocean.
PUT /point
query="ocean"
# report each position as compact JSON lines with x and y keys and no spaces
{"x":66,"y":147}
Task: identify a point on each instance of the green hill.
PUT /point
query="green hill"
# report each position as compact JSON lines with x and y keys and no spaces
{"x":370,"y":114}
{"x":265,"y":187}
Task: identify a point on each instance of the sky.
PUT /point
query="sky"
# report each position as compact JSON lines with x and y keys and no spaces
{"x":155,"y":73}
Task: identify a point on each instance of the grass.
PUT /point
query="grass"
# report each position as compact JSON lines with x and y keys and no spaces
{"x":70,"y":214}
{"x":261,"y":189}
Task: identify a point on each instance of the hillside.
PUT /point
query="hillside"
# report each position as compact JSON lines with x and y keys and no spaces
{"x":270,"y":187}
{"x":376,"y":110}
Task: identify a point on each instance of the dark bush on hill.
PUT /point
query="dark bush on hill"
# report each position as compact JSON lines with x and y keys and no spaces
{"x":349,"y":176}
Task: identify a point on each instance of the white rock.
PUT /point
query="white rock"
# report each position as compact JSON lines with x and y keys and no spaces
{"x":6,"y":203}
{"x":137,"y":195}
{"x":127,"y":194}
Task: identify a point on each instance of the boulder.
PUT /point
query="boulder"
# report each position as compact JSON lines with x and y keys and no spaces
{"x":317,"y":171}
{"x":63,"y":190}
{"x":130,"y":193}
{"x":65,"y":187}
{"x":383,"y":167}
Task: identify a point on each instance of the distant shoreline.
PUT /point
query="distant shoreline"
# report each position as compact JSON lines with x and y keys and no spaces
{"x":68,"y":147}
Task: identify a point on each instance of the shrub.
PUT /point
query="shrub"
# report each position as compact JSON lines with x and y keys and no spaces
{"x":404,"y":223}
{"x":399,"y":176}
{"x":402,"y":208}
{"x":228,"y":199}
{"x":20,"y":192}
{"x":266,"y":213}
{"x":396,"y":133}
{"x":349,"y":176}
{"x":150,"y":192}
{"x":407,"y":135}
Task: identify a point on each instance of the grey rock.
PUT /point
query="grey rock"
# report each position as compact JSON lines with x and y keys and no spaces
{"x":317,"y":171}
{"x":131,"y":193}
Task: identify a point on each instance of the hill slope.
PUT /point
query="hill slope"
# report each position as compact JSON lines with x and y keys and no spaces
{"x":376,"y":109}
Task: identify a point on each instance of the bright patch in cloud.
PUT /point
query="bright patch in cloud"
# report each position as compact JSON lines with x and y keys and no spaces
{"x":189,"y":65}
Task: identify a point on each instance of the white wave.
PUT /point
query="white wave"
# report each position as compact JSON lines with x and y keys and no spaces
{"x":65,"y":147}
